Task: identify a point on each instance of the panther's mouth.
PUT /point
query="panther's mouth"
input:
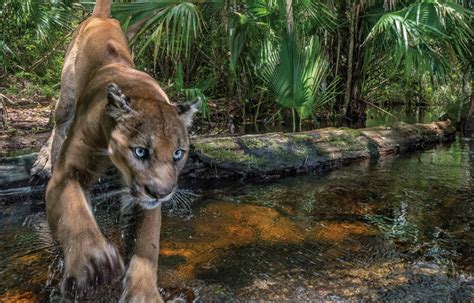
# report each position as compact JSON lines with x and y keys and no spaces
{"x":146,"y":200}
{"x":151,"y":203}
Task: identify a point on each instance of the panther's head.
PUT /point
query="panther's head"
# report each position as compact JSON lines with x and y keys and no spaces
{"x":149,"y":144}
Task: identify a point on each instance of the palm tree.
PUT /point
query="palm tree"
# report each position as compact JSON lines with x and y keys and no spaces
{"x":172,"y":25}
{"x":290,"y":62}
{"x":41,"y":21}
{"x":368,"y":44}
{"x":295,"y":75}
{"x":422,"y":36}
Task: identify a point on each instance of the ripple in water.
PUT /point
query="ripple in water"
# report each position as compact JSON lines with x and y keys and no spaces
{"x":398,"y":229}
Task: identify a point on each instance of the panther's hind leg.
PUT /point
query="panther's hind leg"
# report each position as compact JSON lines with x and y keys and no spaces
{"x":63,"y":116}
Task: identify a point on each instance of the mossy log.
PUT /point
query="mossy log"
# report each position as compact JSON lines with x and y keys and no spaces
{"x":276,"y":154}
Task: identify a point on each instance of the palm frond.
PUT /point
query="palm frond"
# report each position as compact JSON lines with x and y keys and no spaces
{"x":193,"y":93}
{"x":172,"y":26}
{"x":428,"y":35}
{"x":250,"y":25}
{"x":51,"y":16}
{"x":317,"y":13}
{"x":295,"y":74}
{"x":41,"y":16}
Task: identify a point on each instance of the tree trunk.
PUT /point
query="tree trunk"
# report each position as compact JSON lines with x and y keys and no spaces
{"x":289,"y":16}
{"x":354,"y":109}
{"x":340,"y":56}
{"x":469,"y":128}
{"x":289,"y":29}
{"x":350,"y":64}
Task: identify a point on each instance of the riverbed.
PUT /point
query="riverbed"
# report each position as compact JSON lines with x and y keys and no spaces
{"x":398,"y":228}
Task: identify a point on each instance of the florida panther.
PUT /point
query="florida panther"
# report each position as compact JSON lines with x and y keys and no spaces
{"x":110,"y":113}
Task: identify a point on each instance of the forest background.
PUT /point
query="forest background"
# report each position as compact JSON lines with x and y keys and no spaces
{"x":260,"y":65}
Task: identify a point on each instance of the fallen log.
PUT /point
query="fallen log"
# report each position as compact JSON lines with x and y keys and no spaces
{"x":276,"y":154}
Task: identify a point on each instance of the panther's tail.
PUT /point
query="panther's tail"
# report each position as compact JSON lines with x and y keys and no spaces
{"x":102,"y":8}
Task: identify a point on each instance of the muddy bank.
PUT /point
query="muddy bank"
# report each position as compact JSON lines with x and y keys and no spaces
{"x":276,"y":154}
{"x":272,"y":155}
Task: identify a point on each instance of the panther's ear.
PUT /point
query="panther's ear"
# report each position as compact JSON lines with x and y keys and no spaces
{"x":187,"y":110}
{"x":117,"y":103}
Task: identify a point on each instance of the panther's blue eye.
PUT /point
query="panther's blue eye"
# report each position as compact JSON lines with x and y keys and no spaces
{"x":140,"y":152}
{"x":178,"y":155}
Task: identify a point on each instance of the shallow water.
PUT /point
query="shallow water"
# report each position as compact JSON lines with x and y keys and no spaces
{"x":396,"y":229}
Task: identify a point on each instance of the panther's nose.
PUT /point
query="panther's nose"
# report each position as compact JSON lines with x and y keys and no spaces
{"x":155,"y":194}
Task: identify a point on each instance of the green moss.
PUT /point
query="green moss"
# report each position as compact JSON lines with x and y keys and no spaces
{"x":268,"y":152}
{"x":225,"y":143}
{"x":286,"y":156}
{"x":301,"y":138}
{"x":304,"y":150}
{"x":352,"y":132}
{"x":299,"y":153}
{"x":221,"y":152}
{"x":406,"y":129}
{"x":254,"y":143}
{"x":345,"y":137}
{"x":338,"y":140}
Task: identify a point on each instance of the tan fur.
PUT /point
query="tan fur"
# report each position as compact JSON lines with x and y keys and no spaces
{"x":97,"y":137}
{"x":102,"y":9}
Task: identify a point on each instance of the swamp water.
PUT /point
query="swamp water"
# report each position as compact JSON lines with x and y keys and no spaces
{"x":397,"y":229}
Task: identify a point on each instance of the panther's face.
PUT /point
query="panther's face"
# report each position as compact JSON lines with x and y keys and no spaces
{"x":149,"y":145}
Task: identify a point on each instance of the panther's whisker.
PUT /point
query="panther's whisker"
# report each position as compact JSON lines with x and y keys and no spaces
{"x":127,"y":203}
{"x":182,"y":202}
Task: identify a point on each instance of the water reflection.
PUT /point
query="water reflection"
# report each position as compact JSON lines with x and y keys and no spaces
{"x":375,"y":117}
{"x":397,"y":229}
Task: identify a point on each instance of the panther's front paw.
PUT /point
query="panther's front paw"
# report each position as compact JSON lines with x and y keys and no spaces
{"x":89,"y":262}
{"x":41,"y":169}
{"x":140,"y":282}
